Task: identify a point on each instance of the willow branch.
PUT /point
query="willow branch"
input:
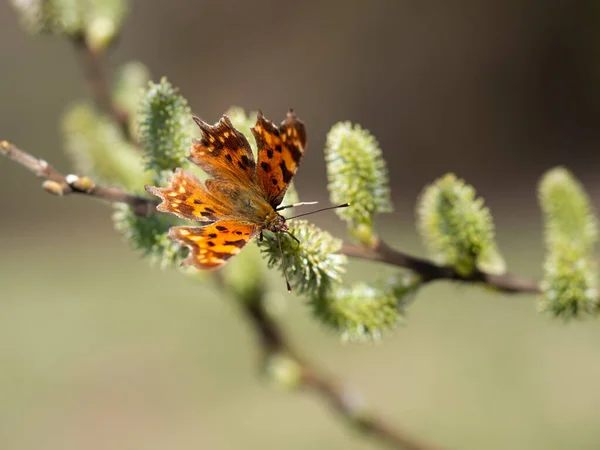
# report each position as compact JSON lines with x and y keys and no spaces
{"x":59,"y":184}
{"x":273,"y":340}
{"x":429,"y":271}
{"x":93,"y":63}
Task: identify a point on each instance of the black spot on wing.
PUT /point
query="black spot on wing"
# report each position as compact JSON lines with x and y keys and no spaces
{"x":212,"y":235}
{"x":265,"y":166}
{"x":238,"y":243}
{"x":223,"y":256}
{"x":208,"y":215}
{"x":246,"y":163}
{"x":222,"y":228}
{"x":287,"y":175}
{"x":296,"y":154}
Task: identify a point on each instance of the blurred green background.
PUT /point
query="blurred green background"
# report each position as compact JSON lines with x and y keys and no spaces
{"x":99,"y":351}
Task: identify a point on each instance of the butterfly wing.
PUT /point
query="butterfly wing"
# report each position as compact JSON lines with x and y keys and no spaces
{"x":212,"y":245}
{"x":238,"y":200}
{"x":187,"y":198}
{"x":280,"y":150}
{"x":223,"y":152}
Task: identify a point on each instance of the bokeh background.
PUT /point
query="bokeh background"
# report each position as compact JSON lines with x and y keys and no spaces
{"x":99,"y":351}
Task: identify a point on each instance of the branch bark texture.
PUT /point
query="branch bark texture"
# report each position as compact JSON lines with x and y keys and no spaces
{"x":430,"y":271}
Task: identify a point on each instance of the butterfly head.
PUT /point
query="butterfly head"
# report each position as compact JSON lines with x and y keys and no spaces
{"x":276,"y":223}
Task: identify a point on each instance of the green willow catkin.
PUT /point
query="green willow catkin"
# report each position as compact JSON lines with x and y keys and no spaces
{"x":570,"y":280}
{"x":457,"y":228}
{"x":357,"y":175}
{"x":165,"y":129}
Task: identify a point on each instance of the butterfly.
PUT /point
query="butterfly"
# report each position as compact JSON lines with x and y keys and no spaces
{"x":242,"y":197}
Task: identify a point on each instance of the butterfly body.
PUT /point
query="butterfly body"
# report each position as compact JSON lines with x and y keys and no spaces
{"x":240,"y":199}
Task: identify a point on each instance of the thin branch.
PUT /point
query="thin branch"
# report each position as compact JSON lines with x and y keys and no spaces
{"x":429,"y":271}
{"x":94,"y":67}
{"x":59,"y":184}
{"x":341,"y":401}
{"x":273,"y":340}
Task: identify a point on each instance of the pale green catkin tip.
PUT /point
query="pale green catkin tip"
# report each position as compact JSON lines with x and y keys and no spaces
{"x":165,"y":123}
{"x":104,"y":19}
{"x":311,"y":265}
{"x":97,"y":147}
{"x":100,"y":32}
{"x":457,"y":228}
{"x":567,"y":210}
{"x":357,"y":174}
{"x":132,"y":78}
{"x":364,"y":233}
{"x":99,"y":21}
{"x":284,"y":372}
{"x":58,"y":17}
{"x":570,"y":283}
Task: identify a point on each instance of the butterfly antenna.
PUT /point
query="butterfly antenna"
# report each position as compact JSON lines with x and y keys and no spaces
{"x":294,"y":205}
{"x":343,"y":205}
{"x":287,"y":281}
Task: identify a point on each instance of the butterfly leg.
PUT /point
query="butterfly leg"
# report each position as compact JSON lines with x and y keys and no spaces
{"x":294,"y":238}
{"x":261,"y":237}
{"x":287,"y":281}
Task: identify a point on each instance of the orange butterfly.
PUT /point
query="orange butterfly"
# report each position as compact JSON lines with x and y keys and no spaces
{"x":242,"y":197}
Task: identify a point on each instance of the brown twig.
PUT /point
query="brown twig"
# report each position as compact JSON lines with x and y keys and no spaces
{"x":95,"y":73}
{"x":429,"y":271}
{"x":343,"y":402}
{"x":273,"y":341}
{"x":59,"y":184}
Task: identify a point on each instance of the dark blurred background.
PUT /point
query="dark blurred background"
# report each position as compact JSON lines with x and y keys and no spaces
{"x":98,"y":351}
